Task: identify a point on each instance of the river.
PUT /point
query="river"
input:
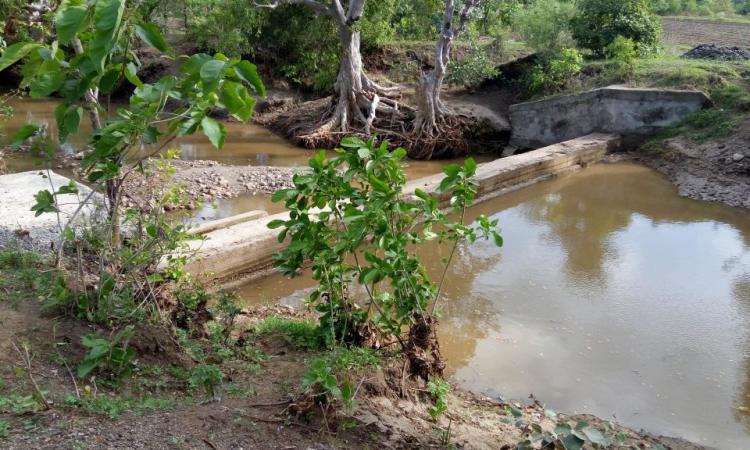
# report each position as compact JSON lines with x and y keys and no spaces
{"x":612,"y":296}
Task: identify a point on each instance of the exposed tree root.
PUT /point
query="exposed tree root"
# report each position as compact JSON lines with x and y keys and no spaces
{"x":310,"y":125}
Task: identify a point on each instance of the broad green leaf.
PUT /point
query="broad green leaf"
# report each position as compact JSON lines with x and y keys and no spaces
{"x":109,"y":79}
{"x":275,"y":224}
{"x":364,"y":153}
{"x":352,"y":142}
{"x":211,"y":73}
{"x":237,"y":101}
{"x":470,"y":166}
{"x":107,"y":19}
{"x":24,"y":133}
{"x":15,"y":53}
{"x":572,"y":442}
{"x":595,"y":436}
{"x":70,"y":20}
{"x":249,"y":73}
{"x":45,"y":202}
{"x":215,"y":131}
{"x":151,"y":35}
{"x":131,"y":73}
{"x":68,"y":120}
{"x":399,"y":153}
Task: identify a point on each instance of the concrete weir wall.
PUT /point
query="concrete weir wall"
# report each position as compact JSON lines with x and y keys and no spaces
{"x":246,"y":249}
{"x":619,"y":110}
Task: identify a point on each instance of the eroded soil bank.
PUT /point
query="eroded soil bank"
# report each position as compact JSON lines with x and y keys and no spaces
{"x":257,"y":405}
{"x":714,"y":171}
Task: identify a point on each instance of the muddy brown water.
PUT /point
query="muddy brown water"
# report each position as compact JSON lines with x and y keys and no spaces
{"x":246,"y":144}
{"x":612,"y":296}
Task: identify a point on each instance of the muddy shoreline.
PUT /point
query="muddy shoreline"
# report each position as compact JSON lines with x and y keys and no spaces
{"x":716,"y":171}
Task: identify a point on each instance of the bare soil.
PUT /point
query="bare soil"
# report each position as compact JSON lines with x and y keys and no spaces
{"x":691,"y":32}
{"x":258,"y":412}
{"x":713,"y":171}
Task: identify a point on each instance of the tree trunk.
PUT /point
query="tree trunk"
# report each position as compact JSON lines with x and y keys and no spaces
{"x":431,"y":110}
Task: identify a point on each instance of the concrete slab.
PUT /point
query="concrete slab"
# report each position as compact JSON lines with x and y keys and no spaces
{"x":19,"y":223}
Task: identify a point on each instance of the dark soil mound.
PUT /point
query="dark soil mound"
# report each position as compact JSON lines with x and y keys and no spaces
{"x":712,"y":51}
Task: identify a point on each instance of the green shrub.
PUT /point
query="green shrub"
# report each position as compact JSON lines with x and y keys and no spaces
{"x":622,"y":54}
{"x":474,"y":68}
{"x":598,"y":23}
{"x":206,"y":376}
{"x":111,"y":357}
{"x":545,"y":26}
{"x":555,"y":74}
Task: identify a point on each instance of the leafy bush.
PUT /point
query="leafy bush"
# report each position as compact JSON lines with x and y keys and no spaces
{"x":348,"y":217}
{"x":111,"y":357}
{"x":555,"y":74}
{"x":622,"y":54}
{"x":474,"y":68}
{"x":206,"y":376}
{"x":545,"y":26}
{"x":598,"y":23}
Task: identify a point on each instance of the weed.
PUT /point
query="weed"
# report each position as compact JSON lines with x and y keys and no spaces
{"x":112,"y":357}
{"x":303,"y":334}
{"x":353,"y":358}
{"x":322,"y":382}
{"x":114,"y":406}
{"x":4,"y":429}
{"x":206,"y":376}
{"x":438,"y":389}
{"x":19,"y":404}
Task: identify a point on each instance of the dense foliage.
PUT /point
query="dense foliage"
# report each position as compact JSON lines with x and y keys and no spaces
{"x":599,"y":22}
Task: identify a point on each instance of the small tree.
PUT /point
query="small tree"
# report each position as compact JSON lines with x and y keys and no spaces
{"x":599,"y":22}
{"x":348,"y":217}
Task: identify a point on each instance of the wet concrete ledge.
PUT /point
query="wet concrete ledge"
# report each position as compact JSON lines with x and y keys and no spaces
{"x":245,"y":250}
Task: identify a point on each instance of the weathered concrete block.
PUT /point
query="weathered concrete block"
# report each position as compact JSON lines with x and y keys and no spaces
{"x":18,"y":222}
{"x":621,"y":110}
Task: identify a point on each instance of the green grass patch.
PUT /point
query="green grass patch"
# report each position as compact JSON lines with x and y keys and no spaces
{"x":114,"y":406}
{"x":22,"y":275}
{"x":700,"y":126}
{"x":303,"y":334}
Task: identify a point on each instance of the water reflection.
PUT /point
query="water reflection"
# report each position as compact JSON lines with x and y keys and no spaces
{"x":612,"y":296}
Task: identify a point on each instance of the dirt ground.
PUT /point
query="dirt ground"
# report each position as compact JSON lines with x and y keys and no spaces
{"x":713,"y":171}
{"x":691,"y":32}
{"x":257,"y":413}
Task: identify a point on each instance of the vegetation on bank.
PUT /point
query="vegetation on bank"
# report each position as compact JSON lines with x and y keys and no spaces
{"x":142,"y":336}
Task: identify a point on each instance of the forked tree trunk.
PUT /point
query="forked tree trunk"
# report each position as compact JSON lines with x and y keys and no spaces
{"x":431,"y":110}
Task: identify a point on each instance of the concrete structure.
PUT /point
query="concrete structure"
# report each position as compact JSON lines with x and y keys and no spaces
{"x":18,"y":222}
{"x":619,"y":110}
{"x":246,"y":249}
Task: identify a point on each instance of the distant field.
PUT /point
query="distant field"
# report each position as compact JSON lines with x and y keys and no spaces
{"x":692,"y":31}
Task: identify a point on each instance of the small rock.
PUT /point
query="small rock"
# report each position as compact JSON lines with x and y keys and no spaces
{"x":79,"y":156}
{"x":737,"y":157}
